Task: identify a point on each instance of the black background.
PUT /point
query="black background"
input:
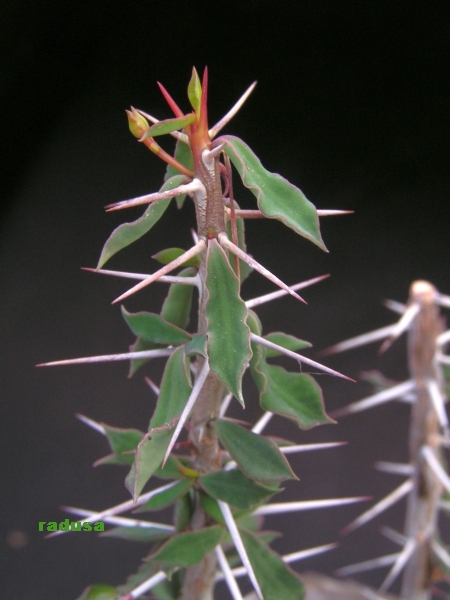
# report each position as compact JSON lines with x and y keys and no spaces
{"x":352,"y":105}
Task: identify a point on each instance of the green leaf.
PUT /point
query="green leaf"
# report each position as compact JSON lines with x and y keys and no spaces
{"x":275,"y":578}
{"x":172,"y":468}
{"x":285,"y":341}
{"x":228,"y":334}
{"x":167,"y":497}
{"x":183,"y":155}
{"x":121,"y":441}
{"x":149,"y":456}
{"x":138,"y":534}
{"x":296,"y":396}
{"x":169,"y":254}
{"x":183,"y":512}
{"x":168,"y":125}
{"x":152,"y":328}
{"x":234,"y":488}
{"x":127,"y":233}
{"x":257,"y":456}
{"x":173,"y":396}
{"x":187,"y":549}
{"x":195,"y":91}
{"x":174,"y":391}
{"x":211,"y":507}
{"x":276,"y":197}
{"x":198,"y":345}
{"x":176,"y":308}
{"x":99,"y":592}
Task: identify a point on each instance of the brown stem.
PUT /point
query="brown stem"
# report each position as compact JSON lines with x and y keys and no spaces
{"x":423,"y":501}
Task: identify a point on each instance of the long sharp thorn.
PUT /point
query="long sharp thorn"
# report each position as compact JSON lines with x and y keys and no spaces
{"x":436,"y":467}
{"x":186,"y":188}
{"x":225,"y":242}
{"x":283,"y":507}
{"x":176,"y":134}
{"x":441,"y":553}
{"x":443,"y":300}
{"x":367,"y":565}
{"x":111,"y":357}
{"x":228,"y":574}
{"x":400,"y":562}
{"x":246,"y":214}
{"x":438,"y":403}
{"x":394,"y":536}
{"x":391,"y":393}
{"x":395,"y":468}
{"x":148,"y":584}
{"x":140,"y":276}
{"x":408,"y":316}
{"x":309,"y":447}
{"x":199,"y":247}
{"x":298,"y":357}
{"x":209,"y":155}
{"x":262,"y":422}
{"x":120,"y":508}
{"x":152,"y":385}
{"x":442,"y":358}
{"x":225,"y":404}
{"x":332,"y":213}
{"x":187,"y":409}
{"x":359,"y":340}
{"x":380,"y":506}
{"x":230,"y":114}
{"x":239,"y":545}
{"x":280,"y":293}
{"x":91,"y":423}
{"x":395,"y":306}
{"x":120,"y":521}
{"x":170,"y":101}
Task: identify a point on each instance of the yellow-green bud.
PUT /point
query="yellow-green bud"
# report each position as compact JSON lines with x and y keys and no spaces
{"x":137,"y":123}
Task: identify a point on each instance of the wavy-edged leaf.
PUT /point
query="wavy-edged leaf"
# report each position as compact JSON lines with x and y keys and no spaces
{"x":228,"y":334}
{"x":169,"y":254}
{"x":234,"y":488}
{"x":168,"y":125}
{"x":167,"y":497}
{"x":286,"y":341}
{"x":122,"y":441}
{"x":257,"y":456}
{"x":296,"y":396}
{"x":99,"y":592}
{"x":138,"y":534}
{"x":187,"y":549}
{"x":276,"y":197}
{"x":127,"y":233}
{"x":275,"y":578}
{"x":183,"y":155}
{"x":153,"y":328}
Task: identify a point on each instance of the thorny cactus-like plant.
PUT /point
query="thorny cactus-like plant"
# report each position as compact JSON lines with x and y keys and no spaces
{"x":423,"y":558}
{"x":223,"y":475}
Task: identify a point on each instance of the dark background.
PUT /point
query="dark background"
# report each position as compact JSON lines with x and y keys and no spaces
{"x":352,"y":105}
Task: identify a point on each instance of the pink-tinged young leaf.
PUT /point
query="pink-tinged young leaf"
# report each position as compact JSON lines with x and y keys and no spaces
{"x":276,"y":197}
{"x":228,"y":334}
{"x":169,"y":254}
{"x":195,"y":91}
{"x":168,"y":125}
{"x":258,"y":457}
{"x":153,"y":328}
{"x":187,"y":549}
{"x":234,"y":488}
{"x":127,"y":233}
{"x":122,"y":442}
{"x":275,"y":578}
{"x":99,"y":592}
